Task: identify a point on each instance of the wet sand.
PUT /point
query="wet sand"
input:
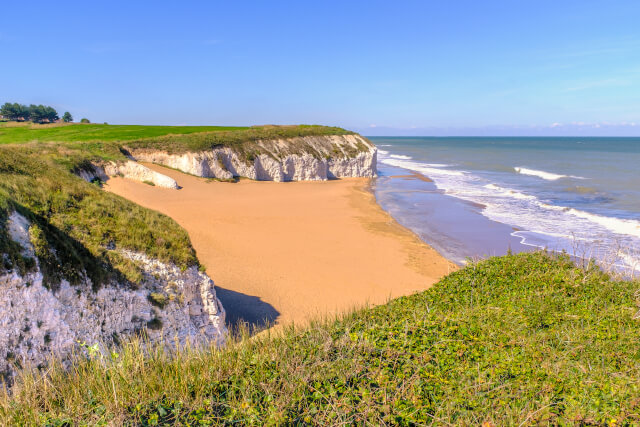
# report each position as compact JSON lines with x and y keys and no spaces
{"x":291,"y":252}
{"x":456,"y":228}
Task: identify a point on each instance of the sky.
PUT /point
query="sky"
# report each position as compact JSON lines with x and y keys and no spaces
{"x":377,"y":67}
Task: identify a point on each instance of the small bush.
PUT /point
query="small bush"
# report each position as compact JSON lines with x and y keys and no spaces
{"x":158,"y":299}
{"x":154,"y":324}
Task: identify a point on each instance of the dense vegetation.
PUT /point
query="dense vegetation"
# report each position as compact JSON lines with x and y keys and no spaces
{"x":35,"y":113}
{"x":515,"y":340}
{"x":75,"y":225}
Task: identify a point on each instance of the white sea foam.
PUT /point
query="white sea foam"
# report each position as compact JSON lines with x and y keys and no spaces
{"x":400,"y":156}
{"x":627,"y":227}
{"x":544,"y":175}
{"x":424,"y":168}
{"x":507,"y":192}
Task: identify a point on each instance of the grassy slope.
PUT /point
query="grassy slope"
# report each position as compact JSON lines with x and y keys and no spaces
{"x":518,"y":339}
{"x":74,"y":222}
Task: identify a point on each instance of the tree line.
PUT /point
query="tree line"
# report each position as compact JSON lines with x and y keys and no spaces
{"x":35,"y":113}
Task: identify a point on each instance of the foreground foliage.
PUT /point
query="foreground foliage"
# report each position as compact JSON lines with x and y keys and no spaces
{"x":525,"y":338}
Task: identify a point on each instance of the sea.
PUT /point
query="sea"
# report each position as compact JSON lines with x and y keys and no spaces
{"x":471,"y":198}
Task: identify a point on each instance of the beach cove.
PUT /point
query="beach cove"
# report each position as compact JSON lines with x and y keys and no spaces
{"x":283,"y":253}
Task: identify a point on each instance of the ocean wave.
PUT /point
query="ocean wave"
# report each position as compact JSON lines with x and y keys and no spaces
{"x":627,"y":227}
{"x":549,"y":176}
{"x":383,"y":152}
{"x":508,"y":192}
{"x":400,"y":156}
{"x":424,"y":168}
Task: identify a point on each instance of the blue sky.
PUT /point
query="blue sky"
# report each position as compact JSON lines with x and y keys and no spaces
{"x":395,"y":68}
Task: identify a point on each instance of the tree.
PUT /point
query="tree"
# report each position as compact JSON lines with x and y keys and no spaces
{"x":7,"y":111}
{"x":51,"y":114}
{"x":84,"y":120}
{"x":14,"y":111}
{"x":67,"y":117}
{"x":36,"y":113}
{"x":41,"y":113}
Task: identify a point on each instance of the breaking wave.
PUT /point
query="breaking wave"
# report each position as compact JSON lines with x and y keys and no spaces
{"x":544,"y":175}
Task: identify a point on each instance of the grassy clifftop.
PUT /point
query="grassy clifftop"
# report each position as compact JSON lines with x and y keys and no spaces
{"x":239,"y":140}
{"x":74,"y":223}
{"x":516,"y":340}
{"x":169,"y":138}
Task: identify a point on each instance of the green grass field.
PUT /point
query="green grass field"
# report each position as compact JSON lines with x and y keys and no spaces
{"x":15,"y":133}
{"x":525,"y":339}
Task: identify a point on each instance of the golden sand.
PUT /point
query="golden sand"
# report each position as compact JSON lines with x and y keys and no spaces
{"x":290,"y":252}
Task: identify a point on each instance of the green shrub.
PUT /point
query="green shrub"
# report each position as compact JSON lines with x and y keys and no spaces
{"x":158,"y":299}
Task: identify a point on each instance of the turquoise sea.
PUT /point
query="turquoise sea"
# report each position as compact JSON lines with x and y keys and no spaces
{"x":491,"y":194}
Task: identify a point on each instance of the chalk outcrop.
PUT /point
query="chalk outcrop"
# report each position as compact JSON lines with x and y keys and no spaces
{"x":308,"y":158}
{"x":36,"y":322}
{"x":128,"y":169}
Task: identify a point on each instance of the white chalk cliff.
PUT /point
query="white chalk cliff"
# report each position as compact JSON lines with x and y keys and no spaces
{"x":309,"y":158}
{"x":128,"y":169}
{"x":37,"y":322}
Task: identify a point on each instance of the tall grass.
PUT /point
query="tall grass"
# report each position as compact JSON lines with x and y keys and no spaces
{"x":77,"y":228}
{"x":515,"y":340}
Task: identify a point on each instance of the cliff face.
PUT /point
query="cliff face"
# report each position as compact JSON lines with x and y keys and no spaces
{"x":36,"y":322}
{"x":308,"y":158}
{"x":294,"y":159}
{"x":130,"y":170}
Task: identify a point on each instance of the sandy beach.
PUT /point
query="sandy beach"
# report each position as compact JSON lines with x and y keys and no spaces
{"x":290,"y":252}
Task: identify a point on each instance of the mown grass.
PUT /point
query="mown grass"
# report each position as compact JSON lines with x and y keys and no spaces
{"x":12,"y":133}
{"x":77,"y":228}
{"x":516,"y":340}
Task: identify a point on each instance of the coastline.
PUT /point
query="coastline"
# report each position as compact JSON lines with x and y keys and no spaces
{"x":283,"y":253}
{"x":454,"y":227}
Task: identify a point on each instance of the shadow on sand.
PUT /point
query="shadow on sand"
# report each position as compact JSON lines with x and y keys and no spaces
{"x":246,"y":310}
